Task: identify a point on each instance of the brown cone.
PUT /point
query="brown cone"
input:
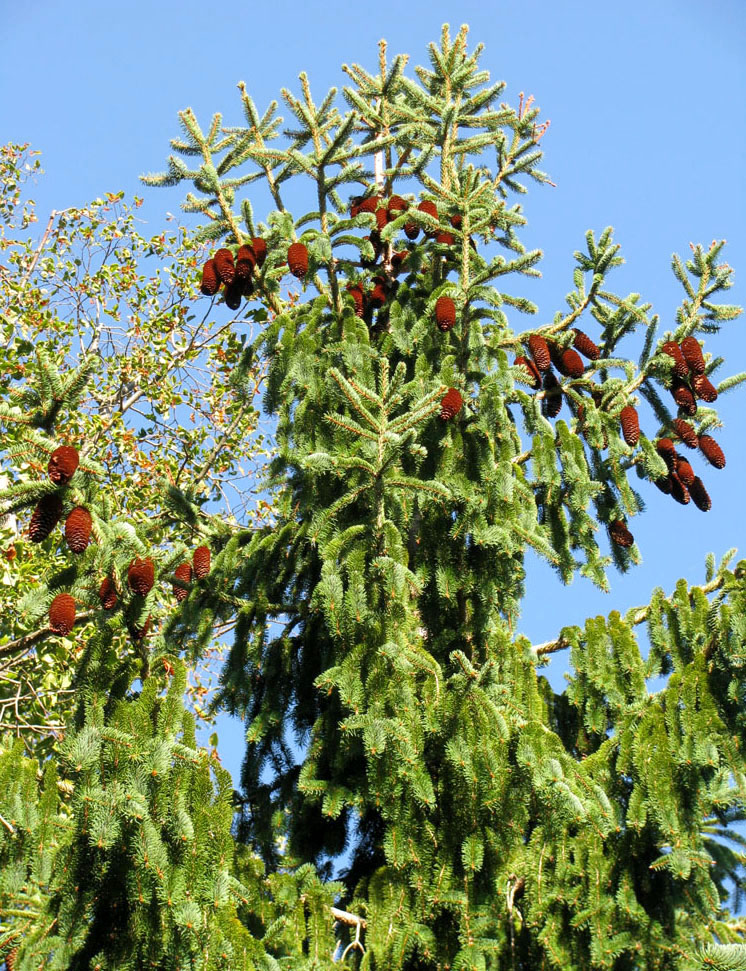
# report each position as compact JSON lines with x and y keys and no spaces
{"x":78,"y":529}
{"x":685,"y":432}
{"x":570,"y":363}
{"x":539,"y":350}
{"x":356,"y":292}
{"x":699,"y":495}
{"x":664,"y":484}
{"x":693,"y":355}
{"x":681,"y":368}
{"x":298,"y":260}
{"x":141,"y":576}
{"x":682,"y":395}
{"x":667,"y":450}
{"x":210,"y":280}
{"x":260,"y":250}
{"x":201,"y":562}
{"x":447,"y":239}
{"x":532,"y":369}
{"x":630,"y":423}
{"x":224,"y":265}
{"x":704,"y":388}
{"x":678,"y":490}
{"x":182,"y":572}
{"x":445,"y":313}
{"x":582,"y":342}
{"x":62,"y":464}
{"x":712,"y":451}
{"x":233,"y":294}
{"x":62,"y":614}
{"x":620,"y":534}
{"x":45,"y":517}
{"x":685,"y":472}
{"x":450,"y":404}
{"x":412,"y":230}
{"x":396,"y":206}
{"x":107,"y":594}
{"x":552,"y":403}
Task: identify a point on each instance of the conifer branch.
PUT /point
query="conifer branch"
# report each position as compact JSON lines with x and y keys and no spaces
{"x":28,"y":641}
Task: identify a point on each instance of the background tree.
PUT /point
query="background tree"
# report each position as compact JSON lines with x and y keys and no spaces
{"x":492,"y":821}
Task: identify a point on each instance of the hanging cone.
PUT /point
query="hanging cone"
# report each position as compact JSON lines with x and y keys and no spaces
{"x":370,"y":204}
{"x":107,"y":594}
{"x":685,"y":432}
{"x":620,"y":534}
{"x":233,"y":293}
{"x":630,"y":423}
{"x":712,"y":451}
{"x":699,"y":495}
{"x":245,"y":262}
{"x":412,"y":230}
{"x":78,"y":529}
{"x":582,"y":342}
{"x":396,"y":206}
{"x":260,"y":250}
{"x":532,"y":369}
{"x":45,"y":517}
{"x":62,"y":614}
{"x":245,"y":286}
{"x":356,"y":292}
{"x":382,"y":217}
{"x":447,"y":239}
{"x":664,"y":484}
{"x":681,"y":368}
{"x":445,"y":313}
{"x":682,"y":395}
{"x":141,"y":576}
{"x":667,"y":450}
{"x":224,"y":265}
{"x":377,"y":296}
{"x":457,"y":220}
{"x":430,"y":209}
{"x":298,"y":260}
{"x":693,"y":355}
{"x":201,"y":562}
{"x":678,"y":490}
{"x":539,"y":350}
{"x":450,"y":404}
{"x":685,"y":472}
{"x":570,"y":363}
{"x":62,"y":464}
{"x":210,"y":280}
{"x":552,"y":402}
{"x":704,"y":388}
{"x":182,"y":572}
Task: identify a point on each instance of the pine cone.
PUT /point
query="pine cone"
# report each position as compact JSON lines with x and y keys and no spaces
{"x":630,"y":423}
{"x":620,"y":534}
{"x":182,"y":572}
{"x":447,"y":239}
{"x":62,"y":614}
{"x":260,"y":250}
{"x":664,"y":484}
{"x":377,"y":296}
{"x":412,"y":230}
{"x":712,"y":451}
{"x":685,"y":472}
{"x":682,"y":395}
{"x":693,"y":355}
{"x":430,"y":209}
{"x":78,"y":529}
{"x":210,"y":280}
{"x":201,"y":562}
{"x":356,"y":292}
{"x":685,"y":432}
{"x":224,"y":265}
{"x":552,"y":402}
{"x":532,"y":369}
{"x":370,"y":204}
{"x":298,"y":260}
{"x":382,"y":217}
{"x":245,"y":262}
{"x":62,"y":464}
{"x":398,"y":260}
{"x":445,"y":313}
{"x":704,"y":388}
{"x":233,"y":294}
{"x":396,"y":206}
{"x":539,"y":351}
{"x":678,"y":490}
{"x":450,"y":404}
{"x":570,"y":363}
{"x":45,"y":517}
{"x":582,"y":342}
{"x":457,"y":220}
{"x":107,"y":594}
{"x":699,"y":495}
{"x":667,"y":450}
{"x":681,"y":368}
{"x":141,"y":576}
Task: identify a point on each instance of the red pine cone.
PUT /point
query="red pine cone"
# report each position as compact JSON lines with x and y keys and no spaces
{"x":432,"y":210}
{"x":260,"y":250}
{"x":356,"y":292}
{"x":45,"y":517}
{"x":107,"y":594}
{"x":141,"y":576}
{"x":539,"y":350}
{"x":450,"y":404}
{"x":553,"y":401}
{"x":396,"y":205}
{"x":377,"y":296}
{"x":570,"y":363}
{"x":582,"y":342}
{"x":245,"y":262}
{"x":298,"y":260}
{"x":685,"y":432}
{"x":210,"y":280}
{"x":682,"y":395}
{"x":201,"y":562}
{"x":630,"y":423}
{"x":664,"y":484}
{"x":667,"y":450}
{"x":62,"y":614}
{"x":685,"y":472}
{"x":447,"y":239}
{"x":678,"y":490}
{"x":445,"y":313}
{"x":620,"y":534}
{"x":699,"y":495}
{"x":382,"y":217}
{"x":693,"y":355}
{"x":532,"y":369}
{"x":78,"y":529}
{"x":62,"y":464}
{"x":712,"y":451}
{"x":224,"y":265}
{"x":182,"y":572}
{"x":704,"y":388}
{"x":412,"y":230}
{"x":233,"y":293}
{"x":681,"y":368}
{"x":457,"y":220}
{"x":369,"y":205}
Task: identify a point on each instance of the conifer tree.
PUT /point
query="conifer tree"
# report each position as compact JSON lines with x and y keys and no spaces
{"x":427,"y":438}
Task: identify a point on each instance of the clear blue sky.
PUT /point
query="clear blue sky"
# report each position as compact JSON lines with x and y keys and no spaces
{"x":646,"y":100}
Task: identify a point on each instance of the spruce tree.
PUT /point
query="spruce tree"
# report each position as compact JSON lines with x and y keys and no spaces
{"x":427,"y":438}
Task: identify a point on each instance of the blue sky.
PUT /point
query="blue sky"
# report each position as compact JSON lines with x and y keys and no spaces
{"x":646,"y":100}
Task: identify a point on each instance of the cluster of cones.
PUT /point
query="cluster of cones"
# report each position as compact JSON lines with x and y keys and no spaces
{"x":689,"y":381}
{"x":62,"y":466}
{"x":236,"y":273}
{"x":681,"y":483}
{"x":543,"y":354}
